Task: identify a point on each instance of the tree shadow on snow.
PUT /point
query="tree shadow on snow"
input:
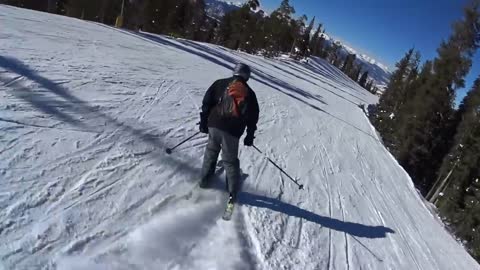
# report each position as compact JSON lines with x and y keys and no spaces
{"x":354,"y":229}
{"x":304,"y":78}
{"x":248,"y":198}
{"x":322,"y":78}
{"x":49,"y":106}
{"x":56,"y":101}
{"x":228,"y":62}
{"x":225,"y":60}
{"x":222,"y":59}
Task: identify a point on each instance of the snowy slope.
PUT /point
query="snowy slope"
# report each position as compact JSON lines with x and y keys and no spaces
{"x":87,"y":110}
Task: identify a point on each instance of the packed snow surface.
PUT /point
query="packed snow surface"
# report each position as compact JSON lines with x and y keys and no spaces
{"x":87,"y":111}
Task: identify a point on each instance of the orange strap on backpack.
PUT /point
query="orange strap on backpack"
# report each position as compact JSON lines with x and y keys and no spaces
{"x":239,"y":92}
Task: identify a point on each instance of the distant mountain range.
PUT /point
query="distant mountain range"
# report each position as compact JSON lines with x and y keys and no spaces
{"x":376,"y":70}
{"x":217,"y":9}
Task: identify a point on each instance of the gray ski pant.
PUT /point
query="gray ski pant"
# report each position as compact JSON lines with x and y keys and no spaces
{"x":221,"y":140}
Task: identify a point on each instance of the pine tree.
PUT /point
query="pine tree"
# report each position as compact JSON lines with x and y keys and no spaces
{"x":314,"y":44}
{"x":253,"y":4}
{"x":348,"y":65}
{"x":224,"y":30}
{"x":208,"y":30}
{"x":194,"y":19}
{"x":417,"y":121}
{"x":369,"y":85}
{"x":41,"y":5}
{"x":297,"y":29}
{"x":286,"y":10}
{"x":355,"y":73}
{"x":468,"y":112}
{"x":280,"y":29}
{"x":256,"y":30}
{"x":405,"y":116}
{"x":242,"y":29}
{"x":84,"y":9}
{"x":385,"y":120}
{"x":432,"y":105}
{"x":363,"y":79}
{"x":176,"y":18}
{"x":109,"y":10}
{"x":253,"y":29}
{"x":333,"y":55}
{"x":459,"y":174}
{"x":181,"y":18}
{"x":155,"y":13}
{"x":322,"y":46}
{"x":304,"y":40}
{"x":237,"y":22}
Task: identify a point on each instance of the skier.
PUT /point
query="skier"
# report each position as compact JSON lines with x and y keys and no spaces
{"x":229,"y":106}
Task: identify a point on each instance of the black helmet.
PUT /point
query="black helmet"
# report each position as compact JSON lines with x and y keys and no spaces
{"x":242,"y":71}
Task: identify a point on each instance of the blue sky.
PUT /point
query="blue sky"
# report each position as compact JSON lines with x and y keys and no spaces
{"x":384,"y":29}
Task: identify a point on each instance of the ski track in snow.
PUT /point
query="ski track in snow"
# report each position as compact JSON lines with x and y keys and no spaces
{"x":87,"y":110}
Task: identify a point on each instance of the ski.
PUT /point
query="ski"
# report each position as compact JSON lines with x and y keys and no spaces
{"x":227,"y":215}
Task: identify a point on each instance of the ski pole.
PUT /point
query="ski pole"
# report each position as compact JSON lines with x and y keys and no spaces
{"x":300,"y":186}
{"x":169,"y":150}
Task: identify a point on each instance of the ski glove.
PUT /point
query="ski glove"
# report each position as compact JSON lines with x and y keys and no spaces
{"x":203,"y":123}
{"x":248,"y":141}
{"x":203,"y":127}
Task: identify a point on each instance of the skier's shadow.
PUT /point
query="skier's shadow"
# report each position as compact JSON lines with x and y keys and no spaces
{"x":354,"y":229}
{"x":247,"y":198}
